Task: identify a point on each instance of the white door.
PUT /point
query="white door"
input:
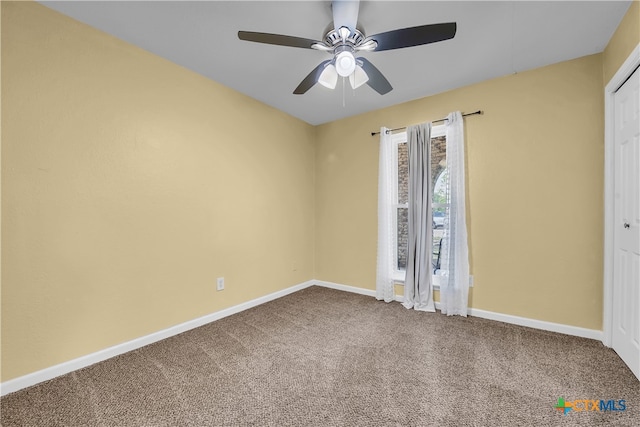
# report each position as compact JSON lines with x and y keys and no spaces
{"x":626,"y":259}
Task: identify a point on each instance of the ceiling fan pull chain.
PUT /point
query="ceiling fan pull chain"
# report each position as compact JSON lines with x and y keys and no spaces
{"x":343,"y":101}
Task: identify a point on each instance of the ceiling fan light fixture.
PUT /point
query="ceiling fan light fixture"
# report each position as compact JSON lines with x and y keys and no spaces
{"x":345,"y":63}
{"x":358,"y":78}
{"x":329,"y":77}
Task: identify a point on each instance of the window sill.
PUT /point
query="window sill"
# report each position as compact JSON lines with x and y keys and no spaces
{"x":435,"y":280}
{"x":399,"y":280}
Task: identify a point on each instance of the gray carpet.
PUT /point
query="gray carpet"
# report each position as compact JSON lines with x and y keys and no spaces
{"x":322,"y":357}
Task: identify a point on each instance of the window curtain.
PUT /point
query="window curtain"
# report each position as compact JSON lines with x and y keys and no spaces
{"x":454,"y":285}
{"x":386,"y":240}
{"x":418,"y":287}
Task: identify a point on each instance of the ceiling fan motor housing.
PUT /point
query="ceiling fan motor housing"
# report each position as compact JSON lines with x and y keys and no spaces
{"x":334,"y":37}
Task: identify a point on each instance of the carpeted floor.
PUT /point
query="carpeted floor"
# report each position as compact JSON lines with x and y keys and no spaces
{"x":322,"y":357}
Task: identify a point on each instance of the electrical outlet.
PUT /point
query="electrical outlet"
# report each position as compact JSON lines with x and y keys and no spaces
{"x":220,"y":283}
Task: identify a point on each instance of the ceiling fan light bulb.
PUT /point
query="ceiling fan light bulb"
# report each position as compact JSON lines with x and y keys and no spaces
{"x":345,"y":63}
{"x":358,"y":78}
{"x":329,"y":77}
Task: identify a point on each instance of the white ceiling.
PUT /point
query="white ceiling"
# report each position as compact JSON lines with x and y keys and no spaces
{"x":493,"y":39}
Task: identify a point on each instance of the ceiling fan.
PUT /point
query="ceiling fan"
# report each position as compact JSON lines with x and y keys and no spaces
{"x":344,"y":41}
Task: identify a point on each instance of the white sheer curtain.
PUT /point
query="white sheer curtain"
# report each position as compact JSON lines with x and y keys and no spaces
{"x":418,"y":287}
{"x":454,"y":285}
{"x":386,"y":240}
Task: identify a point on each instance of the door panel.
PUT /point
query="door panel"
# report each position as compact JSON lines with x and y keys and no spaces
{"x":626,"y":275}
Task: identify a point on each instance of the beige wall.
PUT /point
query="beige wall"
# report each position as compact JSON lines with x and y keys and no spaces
{"x":128,"y":185}
{"x":623,"y":41}
{"x":535,"y":183}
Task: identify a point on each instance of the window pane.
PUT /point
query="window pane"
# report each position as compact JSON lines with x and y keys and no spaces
{"x":438,"y":159}
{"x":403,"y":237}
{"x":403,"y":173}
{"x":441,"y":189}
{"x":440,"y":201}
{"x":439,"y":249}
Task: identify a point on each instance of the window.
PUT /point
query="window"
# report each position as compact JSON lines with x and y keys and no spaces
{"x":440,"y":206}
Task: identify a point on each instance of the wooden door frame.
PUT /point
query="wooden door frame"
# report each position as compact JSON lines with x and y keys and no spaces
{"x":624,"y":72}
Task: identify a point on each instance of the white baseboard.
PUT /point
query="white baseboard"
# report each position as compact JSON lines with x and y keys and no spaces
{"x":506,"y":318}
{"x":90,"y":359}
{"x":346,"y":288}
{"x":538,"y":324}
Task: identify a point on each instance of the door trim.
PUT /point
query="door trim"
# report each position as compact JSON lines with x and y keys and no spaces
{"x":624,"y":72}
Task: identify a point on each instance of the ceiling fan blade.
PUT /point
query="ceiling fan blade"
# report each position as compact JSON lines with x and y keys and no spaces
{"x":414,"y":36}
{"x":345,"y":13}
{"x":277,"y":39}
{"x":311,"y":79}
{"x":377,"y":81}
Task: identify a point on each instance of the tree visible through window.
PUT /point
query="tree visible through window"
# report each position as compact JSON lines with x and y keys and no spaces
{"x":439,"y":202}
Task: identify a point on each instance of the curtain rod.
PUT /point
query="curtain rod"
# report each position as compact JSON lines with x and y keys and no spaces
{"x":435,"y":121}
